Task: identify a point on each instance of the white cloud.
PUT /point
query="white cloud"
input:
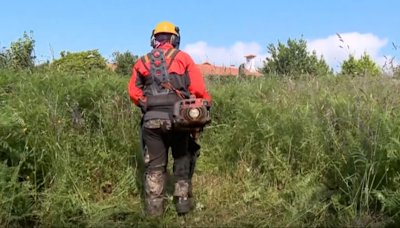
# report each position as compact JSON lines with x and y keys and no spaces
{"x":328,"y":46}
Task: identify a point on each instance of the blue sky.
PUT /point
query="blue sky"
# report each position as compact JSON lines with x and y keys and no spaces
{"x":120,"y":25}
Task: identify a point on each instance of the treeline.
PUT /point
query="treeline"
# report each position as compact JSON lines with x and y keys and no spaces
{"x":286,"y":59}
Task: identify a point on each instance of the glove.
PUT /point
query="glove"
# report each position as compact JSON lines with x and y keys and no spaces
{"x":195,"y":135}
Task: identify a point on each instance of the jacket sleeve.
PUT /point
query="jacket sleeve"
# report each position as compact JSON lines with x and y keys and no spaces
{"x":135,"y":85}
{"x":197,"y":86}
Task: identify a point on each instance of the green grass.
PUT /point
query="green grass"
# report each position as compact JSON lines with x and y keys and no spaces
{"x":315,"y":152}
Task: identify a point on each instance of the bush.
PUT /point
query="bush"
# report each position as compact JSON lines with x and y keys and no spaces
{"x":125,"y":62}
{"x":80,"y":62}
{"x":313,"y":152}
{"x":362,"y":66}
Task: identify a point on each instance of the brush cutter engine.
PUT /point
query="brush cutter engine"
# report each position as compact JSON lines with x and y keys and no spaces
{"x":191,"y":114}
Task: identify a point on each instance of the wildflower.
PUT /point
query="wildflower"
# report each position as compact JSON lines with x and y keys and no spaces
{"x":25,"y":129}
{"x":58,"y":121}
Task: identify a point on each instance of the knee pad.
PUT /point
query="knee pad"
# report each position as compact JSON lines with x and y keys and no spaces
{"x":155,"y":181}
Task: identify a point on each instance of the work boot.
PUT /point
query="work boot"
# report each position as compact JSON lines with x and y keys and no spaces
{"x":154,"y":187}
{"x":183,"y":196}
{"x":154,"y":207}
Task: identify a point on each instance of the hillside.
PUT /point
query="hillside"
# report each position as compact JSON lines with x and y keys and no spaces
{"x":314,"y":152}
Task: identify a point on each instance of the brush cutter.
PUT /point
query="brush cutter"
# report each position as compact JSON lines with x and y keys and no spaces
{"x":191,"y":114}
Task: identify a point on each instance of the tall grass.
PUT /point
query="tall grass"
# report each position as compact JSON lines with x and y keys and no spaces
{"x":315,"y":152}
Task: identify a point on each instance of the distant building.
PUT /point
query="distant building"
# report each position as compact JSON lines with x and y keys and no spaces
{"x":208,"y":69}
{"x":250,"y":63}
{"x":112,"y":65}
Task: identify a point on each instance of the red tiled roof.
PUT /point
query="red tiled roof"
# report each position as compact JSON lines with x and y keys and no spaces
{"x":207,"y":68}
{"x":112,"y":65}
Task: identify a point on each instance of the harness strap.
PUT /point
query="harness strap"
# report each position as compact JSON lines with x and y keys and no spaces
{"x":170,"y":54}
{"x":169,"y":86}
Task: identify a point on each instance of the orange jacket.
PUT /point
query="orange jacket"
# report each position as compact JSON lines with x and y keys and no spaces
{"x":181,"y":64}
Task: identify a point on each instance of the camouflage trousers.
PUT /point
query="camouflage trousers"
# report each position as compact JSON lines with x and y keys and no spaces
{"x":158,"y":138}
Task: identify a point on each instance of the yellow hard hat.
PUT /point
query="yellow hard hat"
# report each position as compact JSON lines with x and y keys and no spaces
{"x":165,"y":27}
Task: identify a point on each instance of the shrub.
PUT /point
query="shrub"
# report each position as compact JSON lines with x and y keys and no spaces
{"x":80,"y":62}
{"x":124,"y":62}
{"x":361,"y":66}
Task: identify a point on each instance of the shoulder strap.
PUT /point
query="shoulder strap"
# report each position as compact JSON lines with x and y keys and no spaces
{"x":145,"y":59}
{"x":171,"y":54}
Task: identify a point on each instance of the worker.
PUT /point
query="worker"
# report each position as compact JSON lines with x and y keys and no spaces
{"x":160,"y":79}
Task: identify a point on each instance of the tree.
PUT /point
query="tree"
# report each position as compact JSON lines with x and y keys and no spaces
{"x":356,"y":67}
{"x":80,"y":62}
{"x":20,"y":54}
{"x":124,"y":62}
{"x":294,"y":59}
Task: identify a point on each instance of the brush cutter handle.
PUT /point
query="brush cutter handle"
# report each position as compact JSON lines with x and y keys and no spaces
{"x":195,"y":135}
